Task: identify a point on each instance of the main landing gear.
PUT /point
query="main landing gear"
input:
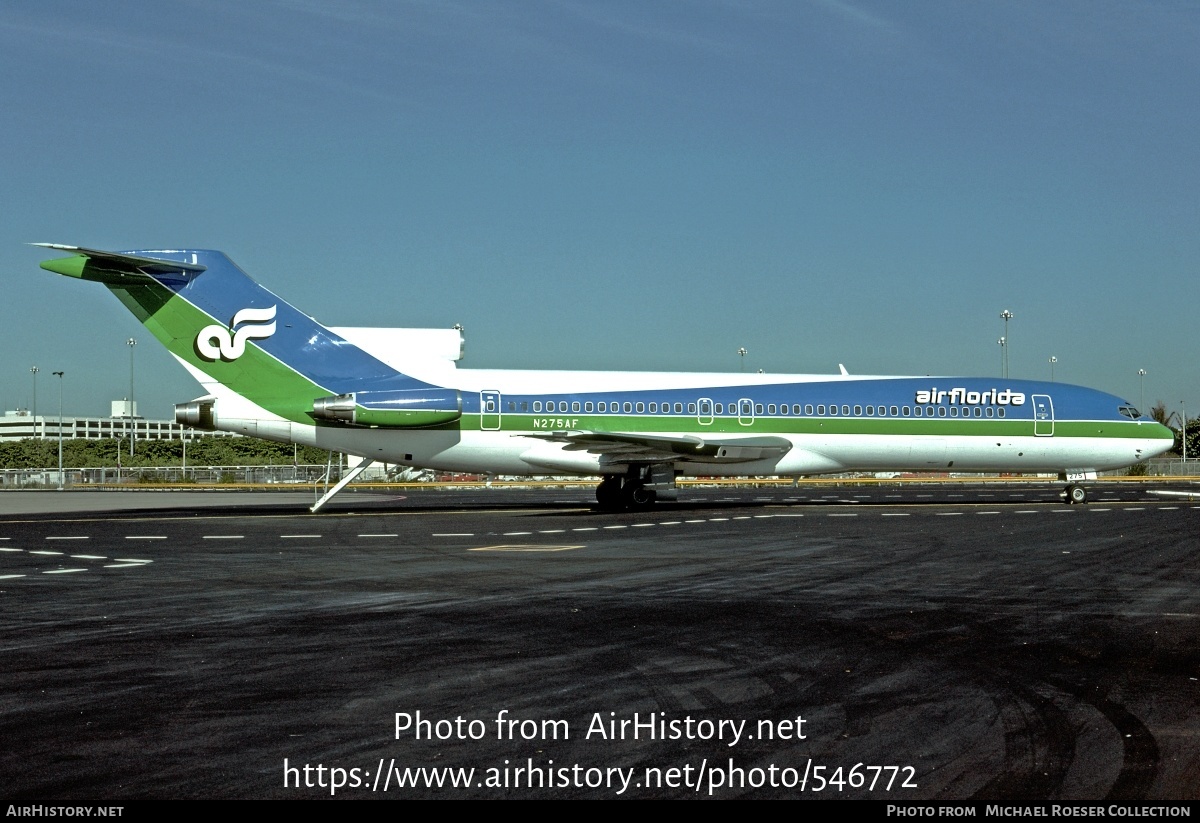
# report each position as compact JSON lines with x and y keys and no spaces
{"x":1075,"y":493}
{"x":639,"y":488}
{"x":617,"y":493}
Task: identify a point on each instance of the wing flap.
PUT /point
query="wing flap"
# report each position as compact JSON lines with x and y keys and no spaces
{"x":657,"y":447}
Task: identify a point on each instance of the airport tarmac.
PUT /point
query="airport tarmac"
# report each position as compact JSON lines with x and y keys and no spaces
{"x":916,"y":643}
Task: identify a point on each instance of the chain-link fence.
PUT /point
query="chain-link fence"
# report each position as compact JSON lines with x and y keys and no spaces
{"x":291,"y":475}
{"x":165,"y":475}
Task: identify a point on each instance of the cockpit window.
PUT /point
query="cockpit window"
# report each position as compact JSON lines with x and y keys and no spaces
{"x":1130,"y":412}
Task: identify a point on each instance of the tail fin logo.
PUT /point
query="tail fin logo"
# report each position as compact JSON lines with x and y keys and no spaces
{"x":215,"y":342}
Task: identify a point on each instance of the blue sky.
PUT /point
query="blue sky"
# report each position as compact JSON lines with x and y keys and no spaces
{"x":621,"y":185}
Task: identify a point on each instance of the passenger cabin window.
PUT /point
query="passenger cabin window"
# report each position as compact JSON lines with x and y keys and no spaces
{"x":845,"y":411}
{"x":679,"y":408}
{"x":691,"y":407}
{"x":602,"y":406}
{"x":653,"y":408}
{"x":574,"y":405}
{"x":641,"y":407}
{"x":537,"y":405}
{"x":628,"y":407}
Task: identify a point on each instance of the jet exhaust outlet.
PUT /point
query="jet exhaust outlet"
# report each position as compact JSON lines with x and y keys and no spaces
{"x":198,"y":414}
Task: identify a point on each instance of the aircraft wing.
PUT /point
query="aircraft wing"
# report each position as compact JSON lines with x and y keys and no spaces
{"x":655,"y":447}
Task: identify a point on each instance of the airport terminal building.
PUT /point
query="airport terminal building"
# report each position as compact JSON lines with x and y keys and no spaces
{"x":121,"y":423}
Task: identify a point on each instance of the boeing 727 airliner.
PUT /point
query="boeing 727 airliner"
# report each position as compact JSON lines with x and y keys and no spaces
{"x":397,"y":396}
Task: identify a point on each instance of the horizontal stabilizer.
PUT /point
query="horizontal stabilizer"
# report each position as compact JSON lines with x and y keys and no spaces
{"x":112,"y":267}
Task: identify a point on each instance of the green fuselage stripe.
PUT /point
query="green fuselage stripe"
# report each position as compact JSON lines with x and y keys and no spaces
{"x":912,"y":427}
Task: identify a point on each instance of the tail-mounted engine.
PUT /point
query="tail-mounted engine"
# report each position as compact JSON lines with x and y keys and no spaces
{"x":401,"y":408}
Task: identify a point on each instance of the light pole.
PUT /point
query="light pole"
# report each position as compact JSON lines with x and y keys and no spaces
{"x":742,"y":353}
{"x":132,"y":428}
{"x":1053,"y":360}
{"x":1006,"y":315}
{"x":59,"y":375}
{"x":1001,"y":341}
{"x":34,"y":370}
{"x":1183,"y":430}
{"x":1141,"y":390}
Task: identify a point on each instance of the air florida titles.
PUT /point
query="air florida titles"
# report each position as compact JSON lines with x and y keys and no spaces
{"x":966,"y":397}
